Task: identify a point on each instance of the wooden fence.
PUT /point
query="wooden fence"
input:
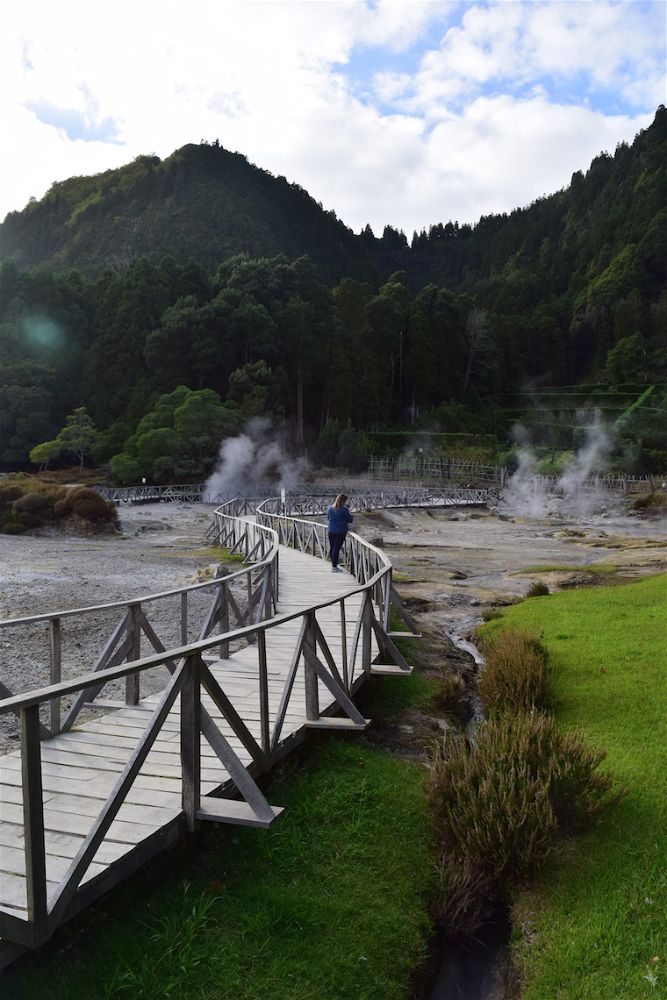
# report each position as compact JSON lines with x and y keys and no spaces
{"x":429,"y":467}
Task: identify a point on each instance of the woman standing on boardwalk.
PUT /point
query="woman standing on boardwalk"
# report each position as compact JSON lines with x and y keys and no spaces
{"x":338,"y":518}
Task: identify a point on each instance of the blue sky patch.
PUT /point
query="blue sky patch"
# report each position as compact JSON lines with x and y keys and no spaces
{"x":76,"y":124}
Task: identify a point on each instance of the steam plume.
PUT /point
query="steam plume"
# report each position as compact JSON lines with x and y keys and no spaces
{"x":254,"y":462}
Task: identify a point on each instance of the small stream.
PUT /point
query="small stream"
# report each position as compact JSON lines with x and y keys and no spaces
{"x":478,"y":971}
{"x":475,"y":972}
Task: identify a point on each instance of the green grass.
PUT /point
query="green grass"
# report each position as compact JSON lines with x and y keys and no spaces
{"x":332,"y":902}
{"x":595,"y":926}
{"x":391,"y":695}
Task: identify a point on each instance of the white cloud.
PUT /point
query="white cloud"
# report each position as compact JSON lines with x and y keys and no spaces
{"x":454,"y":139}
{"x":509,"y":44}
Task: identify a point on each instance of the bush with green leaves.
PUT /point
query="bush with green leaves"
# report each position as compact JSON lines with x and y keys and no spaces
{"x":178,"y":440}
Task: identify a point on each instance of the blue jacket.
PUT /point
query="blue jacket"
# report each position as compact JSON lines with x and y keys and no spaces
{"x":338,"y":519}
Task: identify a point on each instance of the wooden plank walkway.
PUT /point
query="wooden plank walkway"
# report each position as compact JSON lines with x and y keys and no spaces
{"x":80,"y":767}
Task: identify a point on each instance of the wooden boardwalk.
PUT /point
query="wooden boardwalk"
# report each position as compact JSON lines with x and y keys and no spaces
{"x":81,"y":766}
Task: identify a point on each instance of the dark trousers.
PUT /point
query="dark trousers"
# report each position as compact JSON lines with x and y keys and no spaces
{"x":336,"y":539}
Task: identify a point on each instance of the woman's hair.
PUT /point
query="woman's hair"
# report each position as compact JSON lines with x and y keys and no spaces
{"x":340,"y":500}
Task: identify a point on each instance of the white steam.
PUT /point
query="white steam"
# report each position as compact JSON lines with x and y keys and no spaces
{"x":576,"y":491}
{"x":253,"y":463}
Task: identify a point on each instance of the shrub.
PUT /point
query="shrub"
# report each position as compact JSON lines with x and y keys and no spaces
{"x":649,"y":500}
{"x":490,"y":614}
{"x":466,"y":894}
{"x":452,"y":696}
{"x":537,"y":589}
{"x":29,"y":502}
{"x":8,"y":493}
{"x":491,"y":810}
{"x":499,"y":802}
{"x":32,"y":510}
{"x":88,"y":505}
{"x":515,"y":677}
{"x":11,"y":527}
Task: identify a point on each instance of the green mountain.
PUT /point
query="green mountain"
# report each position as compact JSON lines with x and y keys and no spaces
{"x":201,"y":204}
{"x":202,"y":271}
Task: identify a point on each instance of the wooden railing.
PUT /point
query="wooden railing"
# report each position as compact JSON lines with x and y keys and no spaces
{"x":363,"y":560}
{"x":233,"y":601}
{"x":432,"y":467}
{"x":190,"y":674}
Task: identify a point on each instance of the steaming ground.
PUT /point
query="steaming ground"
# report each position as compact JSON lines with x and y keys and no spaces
{"x":449,"y":564}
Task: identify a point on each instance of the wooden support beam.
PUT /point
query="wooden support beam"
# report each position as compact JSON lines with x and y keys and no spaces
{"x":33,"y":823}
{"x":338,"y":724}
{"x":237,"y":813}
{"x":191,"y":742}
{"x":389,"y":670}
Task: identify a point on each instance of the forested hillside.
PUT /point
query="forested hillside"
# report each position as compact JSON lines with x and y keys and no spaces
{"x":201,"y":204}
{"x":204,"y":272}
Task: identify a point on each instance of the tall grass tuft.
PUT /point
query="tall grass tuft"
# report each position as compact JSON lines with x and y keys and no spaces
{"x":516,"y":676}
{"x":500,"y":802}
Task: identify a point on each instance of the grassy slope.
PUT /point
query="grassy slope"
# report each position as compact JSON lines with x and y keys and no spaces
{"x":331,"y":903}
{"x":597,"y":921}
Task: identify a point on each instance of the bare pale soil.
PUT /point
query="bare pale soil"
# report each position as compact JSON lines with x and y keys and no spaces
{"x":160,"y":547}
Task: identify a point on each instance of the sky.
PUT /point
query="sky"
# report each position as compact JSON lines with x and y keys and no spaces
{"x":399,"y":113}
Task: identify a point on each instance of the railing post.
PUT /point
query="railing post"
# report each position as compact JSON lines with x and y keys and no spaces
{"x":33,"y":822}
{"x":132,"y":680}
{"x":366,"y":636}
{"x":55,"y":657}
{"x":184,"y":618}
{"x":191,"y":742}
{"x":386,"y":611}
{"x":224,"y":621}
{"x":343,"y":639}
{"x":310,"y":677}
{"x":268,"y":587}
{"x":263,"y":693}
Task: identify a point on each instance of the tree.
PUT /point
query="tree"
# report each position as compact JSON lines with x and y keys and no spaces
{"x":626,"y":361}
{"x":480,"y":358}
{"x":201,"y":422}
{"x":326,"y":446}
{"x":79,"y":434}
{"x":44,"y":453}
{"x":257,"y":391}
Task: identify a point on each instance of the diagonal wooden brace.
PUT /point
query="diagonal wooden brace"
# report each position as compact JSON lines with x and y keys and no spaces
{"x":345,"y":702}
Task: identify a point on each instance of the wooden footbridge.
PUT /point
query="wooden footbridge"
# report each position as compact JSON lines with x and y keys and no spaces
{"x":115,"y":766}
